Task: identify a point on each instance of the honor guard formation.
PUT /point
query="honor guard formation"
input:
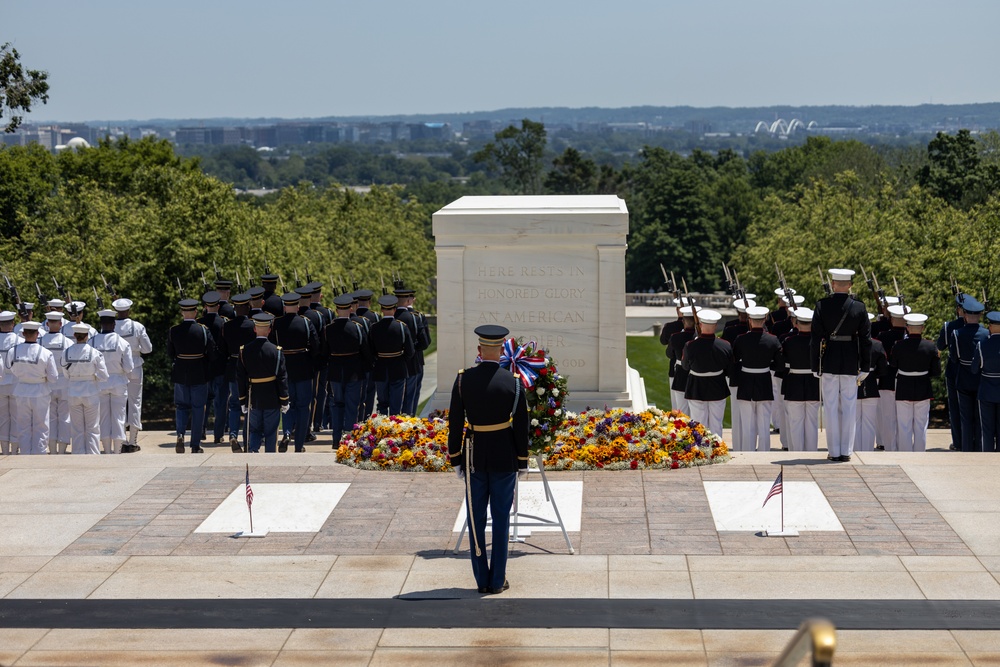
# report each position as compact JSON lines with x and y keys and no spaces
{"x":263,"y":368}
{"x":866,"y":378}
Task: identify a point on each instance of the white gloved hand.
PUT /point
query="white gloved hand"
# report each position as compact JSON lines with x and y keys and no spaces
{"x":243,"y":409}
{"x":284,"y":408}
{"x":522,"y":474}
{"x":862,"y":376}
{"x":458,"y":472}
{"x":816,"y":375}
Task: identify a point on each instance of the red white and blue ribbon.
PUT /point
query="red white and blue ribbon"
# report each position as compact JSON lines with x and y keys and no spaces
{"x":515,"y":358}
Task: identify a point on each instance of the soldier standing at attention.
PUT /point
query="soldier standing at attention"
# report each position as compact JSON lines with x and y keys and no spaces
{"x":915,"y":362}
{"x":237,"y":332}
{"x":272,"y":300}
{"x":986,"y":364}
{"x":896,"y":332}
{"x":961,"y":347}
{"x":192,"y":350}
{"x":491,"y":454}
{"x":137,"y":338}
{"x":420,"y":333}
{"x":800,"y":387}
{"x":218,"y":390}
{"x":35,"y":370}
{"x":392,"y":345}
{"x":85,"y":371}
{"x":733,"y":330}
{"x":113,"y":392}
{"x":349,"y":355}
{"x":8,"y":429}
{"x":364,"y":310}
{"x":841,"y":354}
{"x":868,"y":399}
{"x":675,"y":349}
{"x":75,"y":311}
{"x":709,"y":363}
{"x":951,"y":372}
{"x":55,"y":342}
{"x":225,"y":288}
{"x":756,"y":355}
{"x":299,"y":345}
{"x":262,"y":385}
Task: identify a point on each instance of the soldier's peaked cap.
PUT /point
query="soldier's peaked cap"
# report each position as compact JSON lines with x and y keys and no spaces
{"x":993,"y":317}
{"x":364,"y":294}
{"x":256,"y":292}
{"x":269,"y":278}
{"x":304,"y":291}
{"x":263,"y":319}
{"x":972,"y":305}
{"x":224,"y":284}
{"x":290,"y":297}
{"x":343,"y":301}
{"x":403,"y":290}
{"x":388,"y":301}
{"x":491,"y":335}
{"x":188,"y":304}
{"x":211,"y":298}
{"x":240,"y":299}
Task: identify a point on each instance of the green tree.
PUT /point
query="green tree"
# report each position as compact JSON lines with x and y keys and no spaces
{"x":19,"y":88}
{"x":516,"y":156}
{"x":572,"y":174}
{"x":956,"y":171}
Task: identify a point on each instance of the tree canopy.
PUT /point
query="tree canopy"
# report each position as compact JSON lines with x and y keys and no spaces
{"x":19,"y":88}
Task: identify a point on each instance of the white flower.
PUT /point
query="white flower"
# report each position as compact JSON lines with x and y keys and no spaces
{"x":558,"y":412}
{"x":555,"y":392}
{"x":548,"y":438}
{"x":534,"y":422}
{"x":540,"y":391}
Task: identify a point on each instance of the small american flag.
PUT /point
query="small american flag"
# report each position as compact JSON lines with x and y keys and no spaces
{"x":775,"y":488}
{"x":249,"y":490}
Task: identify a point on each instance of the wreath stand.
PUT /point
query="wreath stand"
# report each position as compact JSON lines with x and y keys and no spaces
{"x":518,"y":518}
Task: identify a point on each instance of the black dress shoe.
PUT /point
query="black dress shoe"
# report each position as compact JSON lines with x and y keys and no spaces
{"x":497,"y":591}
{"x":832,"y":458}
{"x":879,"y":448}
{"x":234,"y":444}
{"x":844,"y":459}
{"x":310,"y":437}
{"x":955,"y":448}
{"x":180,"y":445}
{"x":483,"y":590}
{"x":283,"y":445}
{"x":197,"y":450}
{"x":217,"y":440}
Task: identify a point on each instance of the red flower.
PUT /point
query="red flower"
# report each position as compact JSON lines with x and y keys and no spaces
{"x":538,"y":432}
{"x":674,"y":465}
{"x":634,"y":464}
{"x":663,"y":441}
{"x":600,"y":465}
{"x":395,"y":450}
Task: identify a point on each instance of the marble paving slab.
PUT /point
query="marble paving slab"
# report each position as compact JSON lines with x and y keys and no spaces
{"x":739,"y":506}
{"x":277,"y":508}
{"x":531,"y":500}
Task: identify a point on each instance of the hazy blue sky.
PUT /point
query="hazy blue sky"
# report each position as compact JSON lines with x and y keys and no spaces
{"x":140,"y":59}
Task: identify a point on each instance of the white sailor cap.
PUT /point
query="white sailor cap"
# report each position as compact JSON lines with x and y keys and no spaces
{"x":7,"y":316}
{"x":797,"y":298}
{"x":80,"y":305}
{"x":898,"y":311}
{"x":709,"y":316}
{"x":741,"y":305}
{"x":684,"y":300}
{"x":28,"y":305}
{"x":841,"y":274}
{"x":53,"y":316}
{"x":781,"y":292}
{"x":31,"y":325}
{"x":82,"y":327}
{"x":55,"y":303}
{"x":106,"y":313}
{"x":749,"y":296}
{"x":915,"y":319}
{"x":688,"y":311}
{"x":891,"y":300}
{"x":121,"y":304}
{"x":803,"y":314}
{"x":871,"y":316}
{"x":757,"y":312}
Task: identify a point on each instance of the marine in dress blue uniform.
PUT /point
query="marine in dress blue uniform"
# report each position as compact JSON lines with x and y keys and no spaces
{"x":348,"y":353}
{"x":272,"y":301}
{"x":868,"y":399}
{"x":262,"y":382}
{"x":731,"y":331}
{"x":841,"y":354}
{"x":800,"y":387}
{"x":961,"y":347}
{"x":490,"y":454}
{"x":675,"y":350}
{"x":709,"y":364}
{"x":192,"y":350}
{"x":986,"y":364}
{"x":320,"y":416}
{"x":299,"y":344}
{"x":887,"y":425}
{"x":756,"y":355}
{"x":915,"y":362}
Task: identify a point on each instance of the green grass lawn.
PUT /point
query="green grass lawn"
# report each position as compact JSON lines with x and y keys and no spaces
{"x":646,"y":355}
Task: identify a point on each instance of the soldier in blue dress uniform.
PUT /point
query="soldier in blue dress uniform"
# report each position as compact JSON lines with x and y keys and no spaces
{"x":961,"y":347}
{"x":192,"y":350}
{"x":348,"y":354}
{"x":263,"y":385}
{"x":709,"y":364}
{"x":299,"y":344}
{"x":393,"y":346}
{"x":490,"y":454}
{"x":218,"y":389}
{"x":951,"y":371}
{"x":986,"y":364}
{"x":237,"y":332}
{"x":364,"y":297}
{"x":915,"y":362}
{"x":416,"y":322}
{"x":756,"y":354}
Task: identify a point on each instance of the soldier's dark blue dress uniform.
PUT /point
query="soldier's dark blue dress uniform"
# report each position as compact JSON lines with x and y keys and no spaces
{"x":393,"y":347}
{"x":192,"y":351}
{"x":416,"y":322}
{"x":263,"y":387}
{"x":799,"y":390}
{"x":364,"y":297}
{"x":299,"y":344}
{"x":708,"y":361}
{"x":272,"y":300}
{"x":951,"y":373}
{"x":914,"y":362}
{"x":490,"y":454}
{"x":321,"y":416}
{"x":224,"y":288}
{"x":318,"y":323}
{"x":961,"y":347}
{"x":348,"y":353}
{"x":756,"y":354}
{"x":986,"y":364}
{"x":675,"y":350}
{"x":237,"y":332}
{"x":218,"y":390}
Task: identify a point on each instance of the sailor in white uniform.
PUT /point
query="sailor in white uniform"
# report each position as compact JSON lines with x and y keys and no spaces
{"x":135,"y":335}
{"x":56,"y":343}
{"x":114,"y":391}
{"x":85,"y":370}
{"x":8,"y":339}
{"x":36,"y":372}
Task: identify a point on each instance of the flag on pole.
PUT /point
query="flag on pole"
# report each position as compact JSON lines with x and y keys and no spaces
{"x":775,"y":488}
{"x":249,"y":490}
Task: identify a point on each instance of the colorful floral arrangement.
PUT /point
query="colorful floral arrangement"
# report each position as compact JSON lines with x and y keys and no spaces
{"x":544,"y":388}
{"x":620,"y":440}
{"x":397,"y":443}
{"x":596,"y":439}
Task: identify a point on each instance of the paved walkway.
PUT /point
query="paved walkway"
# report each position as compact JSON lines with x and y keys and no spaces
{"x":100,"y":564}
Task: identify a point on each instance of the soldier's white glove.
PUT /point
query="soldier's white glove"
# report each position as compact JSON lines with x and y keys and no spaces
{"x":284,"y":408}
{"x":458,"y":472}
{"x":862,"y":376}
{"x":243,"y":409}
{"x":816,"y":375}
{"x":522,"y":474}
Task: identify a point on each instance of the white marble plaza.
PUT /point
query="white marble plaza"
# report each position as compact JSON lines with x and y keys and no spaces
{"x":740,"y":506}
{"x":277,"y":508}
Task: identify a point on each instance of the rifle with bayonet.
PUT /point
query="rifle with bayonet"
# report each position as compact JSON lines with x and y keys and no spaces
{"x":14,"y":296}
{"x":298,"y":283}
{"x":872,"y":287}
{"x":955,"y":290}
{"x":789,"y":295}
{"x":671,"y":287}
{"x":239,"y":284}
{"x":694,"y":310}
{"x":380,"y":279}
{"x":218,"y":275}
{"x":180,"y":289}
{"x":827,"y":289}
{"x":204,"y":283}
{"x":42,"y":297}
{"x":250,"y":277}
{"x":98,"y":299}
{"x":61,"y":290}
{"x":899,"y":295}
{"x":110,"y":288}
{"x":986,"y":302}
